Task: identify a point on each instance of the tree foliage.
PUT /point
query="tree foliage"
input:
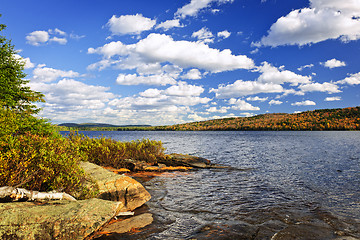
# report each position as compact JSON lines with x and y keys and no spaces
{"x":318,"y":120}
{"x":14,"y":92}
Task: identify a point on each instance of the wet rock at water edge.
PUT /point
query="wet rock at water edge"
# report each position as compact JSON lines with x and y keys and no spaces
{"x":176,"y":159}
{"x":117,"y":187}
{"x":128,"y":224}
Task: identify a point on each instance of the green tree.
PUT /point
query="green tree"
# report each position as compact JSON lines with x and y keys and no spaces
{"x":14,"y":92}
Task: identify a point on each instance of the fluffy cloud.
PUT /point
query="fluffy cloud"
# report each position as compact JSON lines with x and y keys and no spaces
{"x":110,"y":49}
{"x":271,"y":74}
{"x":244,"y":88}
{"x":26,"y":61}
{"x":320,"y":87}
{"x":195,"y":6}
{"x":184,"y":89}
{"x":220,"y":110}
{"x":304,"y":103}
{"x":134,"y":79}
{"x":61,"y":41}
{"x":256,"y":98}
{"x":333,"y":63}
{"x":224,"y":34}
{"x":241,"y":105}
{"x":130,"y":24}
{"x":37,"y":37}
{"x":162,"y":48}
{"x":331,"y":99}
{"x":151,"y":93}
{"x":353,"y":79}
{"x":203,"y":35}
{"x":71,"y":95}
{"x":155,"y":99}
{"x":45,"y":74}
{"x":275,"y":102}
{"x":169,"y":24}
{"x":324,"y":20}
{"x":305,"y":66}
{"x":192,"y":74}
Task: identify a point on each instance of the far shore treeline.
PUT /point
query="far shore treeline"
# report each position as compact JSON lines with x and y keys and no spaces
{"x":341,"y":119}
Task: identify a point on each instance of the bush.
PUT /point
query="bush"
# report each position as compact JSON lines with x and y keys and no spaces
{"x":42,"y":163}
{"x":108,"y":152}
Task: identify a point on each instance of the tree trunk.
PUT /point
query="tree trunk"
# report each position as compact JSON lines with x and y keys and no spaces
{"x":10,"y":194}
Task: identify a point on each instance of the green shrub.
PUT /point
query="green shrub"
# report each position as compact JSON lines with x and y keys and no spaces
{"x":42,"y":163}
{"x":13,"y":122}
{"x":108,"y":152}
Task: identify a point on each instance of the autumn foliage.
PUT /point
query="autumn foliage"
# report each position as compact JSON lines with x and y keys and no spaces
{"x":318,"y":120}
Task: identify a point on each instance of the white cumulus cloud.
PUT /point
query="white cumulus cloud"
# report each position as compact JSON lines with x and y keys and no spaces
{"x":224,"y":34}
{"x":37,"y":37}
{"x":193,"y":8}
{"x":162,"y":48}
{"x":45,"y":74}
{"x":256,"y":98}
{"x":184,"y":89}
{"x":331,"y":99}
{"x":203,"y":35}
{"x":134,"y":79}
{"x":275,"y":102}
{"x":323,"y":20}
{"x":242,"y":105}
{"x":192,"y":74}
{"x":272,"y":74}
{"x":244,"y":88}
{"x":130,"y":24}
{"x":169,"y":24}
{"x":304,"y":103}
{"x":353,"y":79}
{"x":333,"y":63}
{"x":320,"y":87}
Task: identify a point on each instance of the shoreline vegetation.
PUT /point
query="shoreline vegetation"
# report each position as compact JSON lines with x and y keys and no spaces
{"x":340,"y":119}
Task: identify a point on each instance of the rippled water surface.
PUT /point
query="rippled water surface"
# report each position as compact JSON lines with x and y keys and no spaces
{"x":287,"y":185}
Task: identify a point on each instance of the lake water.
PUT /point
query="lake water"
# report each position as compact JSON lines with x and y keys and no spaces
{"x":287,"y":185}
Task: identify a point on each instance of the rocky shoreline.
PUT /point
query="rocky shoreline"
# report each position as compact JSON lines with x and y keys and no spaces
{"x":119,"y":195}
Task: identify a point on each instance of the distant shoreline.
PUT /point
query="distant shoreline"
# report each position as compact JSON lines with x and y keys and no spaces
{"x":341,"y":119}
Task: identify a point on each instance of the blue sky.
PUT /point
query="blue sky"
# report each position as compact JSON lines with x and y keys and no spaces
{"x":166,"y":62}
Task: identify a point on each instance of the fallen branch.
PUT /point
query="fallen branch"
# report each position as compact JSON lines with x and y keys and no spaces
{"x":10,"y":194}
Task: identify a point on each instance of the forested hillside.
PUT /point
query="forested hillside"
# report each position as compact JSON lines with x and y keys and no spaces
{"x":325,"y":119}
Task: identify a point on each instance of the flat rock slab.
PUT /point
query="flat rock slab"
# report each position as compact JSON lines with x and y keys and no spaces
{"x":176,"y":159}
{"x":54,"y":220}
{"x":126,"y":225}
{"x":117,"y":187}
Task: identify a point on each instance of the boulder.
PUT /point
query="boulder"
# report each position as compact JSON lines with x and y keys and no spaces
{"x":74,"y":219}
{"x":54,"y":219}
{"x":117,"y":187}
{"x":176,"y":159}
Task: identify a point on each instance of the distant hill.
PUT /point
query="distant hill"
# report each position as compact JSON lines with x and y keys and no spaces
{"x":324,"y":119}
{"x":97,"y":125}
{"x":317,"y":120}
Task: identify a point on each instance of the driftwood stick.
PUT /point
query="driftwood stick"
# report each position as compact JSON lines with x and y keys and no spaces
{"x":15,"y":194}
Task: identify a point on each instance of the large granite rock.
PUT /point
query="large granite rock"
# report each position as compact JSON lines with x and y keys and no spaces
{"x":55,"y":219}
{"x":117,"y":187}
{"x":63,"y":220}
